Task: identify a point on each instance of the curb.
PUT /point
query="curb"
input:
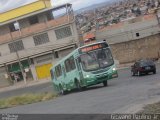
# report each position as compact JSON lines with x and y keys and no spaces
{"x":122,"y":68}
{"x":22,"y":85}
{"x":136,"y":108}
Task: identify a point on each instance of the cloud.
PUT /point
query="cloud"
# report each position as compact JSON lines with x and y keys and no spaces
{"x":9,"y":4}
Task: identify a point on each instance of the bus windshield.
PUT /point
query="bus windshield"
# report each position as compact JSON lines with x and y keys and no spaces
{"x":96,"y":59}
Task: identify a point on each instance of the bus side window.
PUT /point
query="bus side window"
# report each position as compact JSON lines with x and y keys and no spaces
{"x":67,"y":66}
{"x":58,"y":70}
{"x":55,"y":76}
{"x":63,"y":70}
{"x":78,"y":63}
{"x":72,"y":63}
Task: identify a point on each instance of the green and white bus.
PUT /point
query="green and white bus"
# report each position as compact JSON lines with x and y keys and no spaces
{"x":86,"y":66}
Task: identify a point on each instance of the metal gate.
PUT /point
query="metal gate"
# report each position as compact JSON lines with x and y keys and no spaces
{"x":43,"y":71}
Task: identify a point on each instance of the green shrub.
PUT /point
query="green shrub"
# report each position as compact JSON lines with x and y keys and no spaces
{"x":25,"y":99}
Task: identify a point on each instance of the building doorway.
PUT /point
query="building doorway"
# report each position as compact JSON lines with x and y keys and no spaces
{"x":14,"y":70}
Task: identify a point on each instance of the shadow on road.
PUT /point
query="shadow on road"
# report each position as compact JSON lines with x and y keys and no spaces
{"x":85,"y":89}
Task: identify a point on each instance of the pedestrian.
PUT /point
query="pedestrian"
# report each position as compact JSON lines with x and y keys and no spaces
{"x":15,"y":78}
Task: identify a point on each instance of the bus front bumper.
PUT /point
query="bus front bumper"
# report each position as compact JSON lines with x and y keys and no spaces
{"x":96,"y":80}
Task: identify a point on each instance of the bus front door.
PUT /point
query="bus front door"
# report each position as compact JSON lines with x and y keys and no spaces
{"x":79,"y":69}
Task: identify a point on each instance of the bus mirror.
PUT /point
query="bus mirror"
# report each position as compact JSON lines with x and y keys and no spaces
{"x":79,"y":59}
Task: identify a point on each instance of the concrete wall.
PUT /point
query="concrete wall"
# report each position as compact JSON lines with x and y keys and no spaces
{"x":24,"y":23}
{"x":148,"y":47}
{"x":126,"y":45}
{"x":65,"y":52}
{"x":126,"y":31}
{"x":44,"y":59}
{"x":4,"y":29}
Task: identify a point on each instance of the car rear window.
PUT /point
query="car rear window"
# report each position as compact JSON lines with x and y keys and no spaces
{"x":144,"y":63}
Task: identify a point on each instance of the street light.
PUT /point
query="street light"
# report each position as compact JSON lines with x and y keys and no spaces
{"x":17,"y":27}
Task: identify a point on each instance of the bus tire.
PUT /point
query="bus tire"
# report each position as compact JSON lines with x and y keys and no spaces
{"x":105,"y":83}
{"x":84,"y":88}
{"x":154,"y":72}
{"x":78,"y":86}
{"x":62,"y":91}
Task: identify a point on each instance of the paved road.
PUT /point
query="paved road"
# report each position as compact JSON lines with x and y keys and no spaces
{"x":41,"y":88}
{"x":122,"y":92}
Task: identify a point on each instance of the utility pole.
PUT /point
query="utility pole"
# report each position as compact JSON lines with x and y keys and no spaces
{"x":19,"y":61}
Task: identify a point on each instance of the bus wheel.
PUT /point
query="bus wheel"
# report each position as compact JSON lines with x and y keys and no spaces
{"x":105,"y":83}
{"x":62,"y":92}
{"x":84,"y":88}
{"x":78,"y":86}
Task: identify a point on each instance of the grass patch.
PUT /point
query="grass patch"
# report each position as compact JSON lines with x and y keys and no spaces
{"x":25,"y":99}
{"x":151,"y":109}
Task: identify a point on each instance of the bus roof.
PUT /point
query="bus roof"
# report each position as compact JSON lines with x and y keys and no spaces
{"x":64,"y":58}
{"x":92,"y":44}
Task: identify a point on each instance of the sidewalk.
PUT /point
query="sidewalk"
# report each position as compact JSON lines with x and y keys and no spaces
{"x":123,"y":66}
{"x":23,"y":85}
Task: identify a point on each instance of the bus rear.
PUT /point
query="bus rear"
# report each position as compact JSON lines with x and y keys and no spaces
{"x":97,"y":64}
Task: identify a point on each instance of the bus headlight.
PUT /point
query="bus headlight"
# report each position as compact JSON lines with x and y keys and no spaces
{"x":114,"y":69}
{"x":87,"y":76}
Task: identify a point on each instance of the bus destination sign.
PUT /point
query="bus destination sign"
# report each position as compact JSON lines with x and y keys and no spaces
{"x":90,"y":48}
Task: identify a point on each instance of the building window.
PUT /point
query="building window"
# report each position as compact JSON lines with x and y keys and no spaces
{"x":63,"y":32}
{"x":137,"y":34}
{"x":16,"y":46}
{"x":33,"y":20}
{"x":41,"y":39}
{"x":49,"y":15}
{"x":56,"y":54}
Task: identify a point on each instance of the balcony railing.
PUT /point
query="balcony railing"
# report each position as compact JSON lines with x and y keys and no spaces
{"x":40,"y":27}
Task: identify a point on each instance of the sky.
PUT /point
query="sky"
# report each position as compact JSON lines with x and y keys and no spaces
{"x":6,"y":5}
